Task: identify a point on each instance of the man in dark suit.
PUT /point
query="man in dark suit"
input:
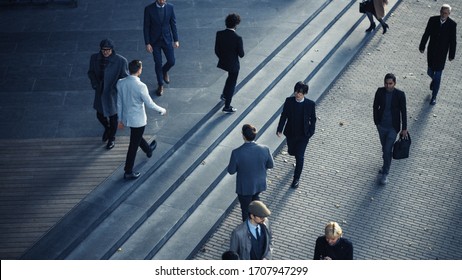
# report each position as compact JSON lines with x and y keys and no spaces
{"x":390,"y":116}
{"x":442,"y":33}
{"x":229,"y":47}
{"x":250,"y":161}
{"x":160,"y":34}
{"x":298,"y":119}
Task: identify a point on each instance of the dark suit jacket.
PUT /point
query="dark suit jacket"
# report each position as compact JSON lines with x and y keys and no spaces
{"x":228,"y":48}
{"x":287,"y":117}
{"x":398,"y":108}
{"x":250,"y":161}
{"x":442,"y":41}
{"x":154,"y":29}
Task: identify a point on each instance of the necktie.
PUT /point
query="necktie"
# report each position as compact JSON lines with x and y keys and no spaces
{"x":257,"y":230}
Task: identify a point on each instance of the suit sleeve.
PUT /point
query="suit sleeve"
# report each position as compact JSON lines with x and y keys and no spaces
{"x":313,"y":119}
{"x":173,"y":26}
{"x":240,"y":47}
{"x":453,"y":42}
{"x":232,"y":166}
{"x":234,"y":242}
{"x":217,"y":45}
{"x":375,"y":108}
{"x":92,"y":73}
{"x":425,"y":36}
{"x":148,"y":100}
{"x":269,"y":161}
{"x":283,"y":118}
{"x":146,"y":25}
{"x":403,"y":111}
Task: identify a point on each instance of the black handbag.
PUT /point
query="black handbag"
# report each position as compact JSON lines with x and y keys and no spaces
{"x":401,"y":147}
{"x":365,"y":6}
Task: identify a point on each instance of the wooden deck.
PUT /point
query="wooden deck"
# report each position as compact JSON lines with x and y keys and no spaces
{"x":43,"y":179}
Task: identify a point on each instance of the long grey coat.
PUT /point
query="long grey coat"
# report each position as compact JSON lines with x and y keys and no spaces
{"x":241,"y":241}
{"x":106,"y":92}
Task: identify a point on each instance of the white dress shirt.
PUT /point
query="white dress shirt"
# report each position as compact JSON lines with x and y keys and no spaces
{"x":132,"y":95}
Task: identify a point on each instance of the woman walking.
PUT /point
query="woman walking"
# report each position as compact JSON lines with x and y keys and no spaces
{"x":378,"y":10}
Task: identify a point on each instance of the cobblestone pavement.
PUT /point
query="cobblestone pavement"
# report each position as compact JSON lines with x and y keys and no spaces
{"x":418,"y":214}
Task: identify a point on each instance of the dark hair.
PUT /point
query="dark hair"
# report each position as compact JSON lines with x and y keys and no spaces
{"x":230,"y":255}
{"x":390,"y":76}
{"x":249,"y":132}
{"x":301,"y":87}
{"x":134,"y":66}
{"x":232,"y":20}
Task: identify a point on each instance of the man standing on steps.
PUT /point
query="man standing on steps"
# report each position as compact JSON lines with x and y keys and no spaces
{"x":390,"y":116}
{"x":250,"y":161}
{"x":443,"y":40}
{"x":252,"y":240}
{"x":106,"y":68}
{"x":132,"y":97}
{"x":160,"y":34}
{"x":298,"y":120}
{"x":228,"y":48}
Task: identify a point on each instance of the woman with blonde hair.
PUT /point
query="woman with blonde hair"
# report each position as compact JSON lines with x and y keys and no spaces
{"x":378,"y":10}
{"x":332,"y":246}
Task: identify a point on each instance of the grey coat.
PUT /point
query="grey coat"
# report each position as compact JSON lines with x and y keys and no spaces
{"x":105,"y":101}
{"x":250,"y":161}
{"x":241,"y":241}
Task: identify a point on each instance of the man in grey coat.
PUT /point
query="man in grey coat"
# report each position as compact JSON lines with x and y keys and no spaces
{"x":253,"y":240}
{"x":250,"y":161}
{"x":106,"y":68}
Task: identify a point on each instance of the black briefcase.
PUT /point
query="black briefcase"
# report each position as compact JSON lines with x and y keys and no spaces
{"x":401,"y":147}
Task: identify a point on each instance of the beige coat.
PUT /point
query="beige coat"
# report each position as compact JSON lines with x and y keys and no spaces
{"x":379,"y":6}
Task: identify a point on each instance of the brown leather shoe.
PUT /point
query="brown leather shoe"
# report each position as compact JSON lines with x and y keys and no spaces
{"x":160,"y":90}
{"x":166,"y":78}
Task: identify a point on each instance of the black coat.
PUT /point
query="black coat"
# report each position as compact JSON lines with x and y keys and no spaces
{"x":287,"y":117}
{"x":343,"y":250}
{"x":228,"y":48}
{"x":442,"y":41}
{"x":398,"y":108}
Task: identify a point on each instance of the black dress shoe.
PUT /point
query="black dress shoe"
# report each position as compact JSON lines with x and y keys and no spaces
{"x":152,"y":147}
{"x":433,"y":101}
{"x":222,"y":97}
{"x":132,"y":175}
{"x":110,"y":145}
{"x":229,"y":110}
{"x":295,"y":183}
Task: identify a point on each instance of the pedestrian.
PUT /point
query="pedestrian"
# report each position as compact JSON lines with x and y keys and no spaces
{"x":332,"y":245}
{"x":131,"y":102}
{"x":443,"y":40}
{"x":230,"y":255}
{"x":390,"y":117}
{"x":298,"y":119}
{"x":228,"y":48}
{"x":160,"y":35}
{"x":377,"y":9}
{"x":250,"y":161}
{"x":106,"y":68}
{"x":252,"y":240}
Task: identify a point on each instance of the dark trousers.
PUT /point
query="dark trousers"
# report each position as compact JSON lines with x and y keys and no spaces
{"x":110,"y":124}
{"x":157,"y":49}
{"x":136,"y":140}
{"x":436,"y":80}
{"x":230,"y":86}
{"x":296,"y":147}
{"x":387,"y":139}
{"x":245,"y":200}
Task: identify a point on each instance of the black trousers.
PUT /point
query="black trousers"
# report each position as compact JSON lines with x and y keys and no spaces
{"x":245,"y":200}
{"x":230,"y":86}
{"x":110,"y":124}
{"x":136,"y":140}
{"x":296,"y":147}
